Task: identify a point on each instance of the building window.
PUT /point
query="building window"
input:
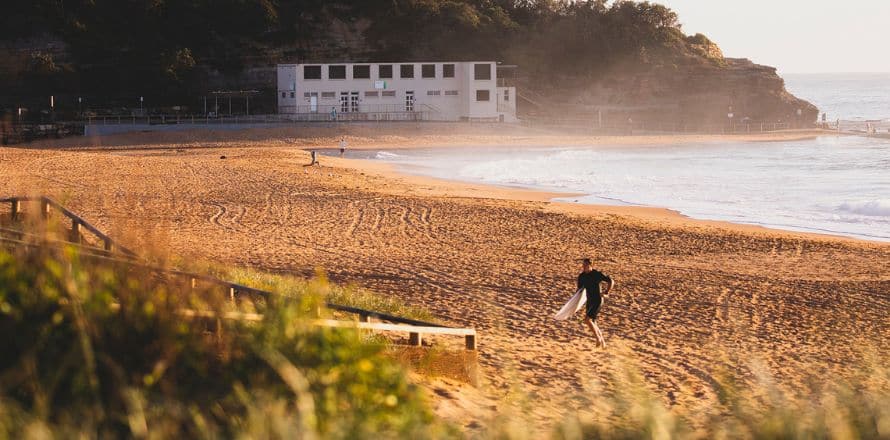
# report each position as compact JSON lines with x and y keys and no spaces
{"x":448,"y":70}
{"x":482,"y":71}
{"x":284,"y":94}
{"x":384,"y":71}
{"x":293,"y":94}
{"x":433,"y":93}
{"x":306,"y":95}
{"x":311,"y":72}
{"x":388,"y":93}
{"x":482,"y":95}
{"x":451,"y":93}
{"x":507,"y":95}
{"x":371,"y":94}
{"x":336,"y":72}
{"x":361,"y":72}
{"x":328,"y":95}
{"x":406,"y":71}
{"x":428,"y":70}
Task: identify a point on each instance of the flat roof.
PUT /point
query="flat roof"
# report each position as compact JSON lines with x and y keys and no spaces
{"x":382,"y":62}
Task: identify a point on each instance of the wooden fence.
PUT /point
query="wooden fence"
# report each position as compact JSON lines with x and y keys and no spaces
{"x":78,"y":225}
{"x":112,"y":252}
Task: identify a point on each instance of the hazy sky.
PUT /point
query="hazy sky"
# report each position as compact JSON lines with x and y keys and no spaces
{"x":797,"y":36}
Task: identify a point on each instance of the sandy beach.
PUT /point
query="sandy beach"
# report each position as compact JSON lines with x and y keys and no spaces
{"x":497,"y":259}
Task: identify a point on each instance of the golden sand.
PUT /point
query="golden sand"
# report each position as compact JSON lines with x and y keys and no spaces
{"x":500,"y":260}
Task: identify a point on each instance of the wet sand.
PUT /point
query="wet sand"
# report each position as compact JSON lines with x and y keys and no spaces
{"x":501,"y":260}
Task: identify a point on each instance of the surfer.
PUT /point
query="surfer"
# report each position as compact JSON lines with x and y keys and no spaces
{"x":590,"y":280}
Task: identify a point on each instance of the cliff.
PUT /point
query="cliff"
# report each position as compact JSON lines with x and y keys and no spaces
{"x":690,"y":95}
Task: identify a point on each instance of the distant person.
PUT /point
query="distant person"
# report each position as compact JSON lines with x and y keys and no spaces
{"x":314,"y":156}
{"x":333,"y":113}
{"x":591,"y":281}
{"x":342,"y":147}
{"x":630,"y":126}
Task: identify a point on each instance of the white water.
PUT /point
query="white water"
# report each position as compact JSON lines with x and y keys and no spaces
{"x":830,"y":185}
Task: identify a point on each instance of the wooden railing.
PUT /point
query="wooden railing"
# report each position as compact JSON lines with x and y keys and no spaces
{"x":112,"y":252}
{"x":78,"y":225}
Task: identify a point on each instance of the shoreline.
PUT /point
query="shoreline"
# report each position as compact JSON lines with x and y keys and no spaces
{"x":661,"y":216}
{"x":417,"y":136}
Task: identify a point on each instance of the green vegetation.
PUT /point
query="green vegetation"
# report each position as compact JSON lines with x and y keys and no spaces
{"x":174,"y":48}
{"x":293,"y":287}
{"x":103,"y":350}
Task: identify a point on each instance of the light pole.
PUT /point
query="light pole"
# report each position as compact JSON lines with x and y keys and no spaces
{"x":140,"y":104}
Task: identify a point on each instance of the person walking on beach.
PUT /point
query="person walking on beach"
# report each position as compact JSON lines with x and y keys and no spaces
{"x":591,"y":280}
{"x":313,"y":155}
{"x":342,"y":147}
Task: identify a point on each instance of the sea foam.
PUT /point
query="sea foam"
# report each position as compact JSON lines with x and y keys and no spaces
{"x":829,"y":185}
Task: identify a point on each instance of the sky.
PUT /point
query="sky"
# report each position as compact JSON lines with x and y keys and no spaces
{"x":796,"y":36}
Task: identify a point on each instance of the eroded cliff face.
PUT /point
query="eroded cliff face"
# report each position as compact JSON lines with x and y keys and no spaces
{"x":693,"y":94}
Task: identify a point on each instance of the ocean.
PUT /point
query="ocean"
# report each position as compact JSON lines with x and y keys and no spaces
{"x":848,"y":96}
{"x":832,"y":185}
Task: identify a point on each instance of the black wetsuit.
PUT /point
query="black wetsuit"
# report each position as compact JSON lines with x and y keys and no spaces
{"x":590,"y":281}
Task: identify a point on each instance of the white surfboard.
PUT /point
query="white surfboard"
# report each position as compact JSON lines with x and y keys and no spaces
{"x":575,"y":303}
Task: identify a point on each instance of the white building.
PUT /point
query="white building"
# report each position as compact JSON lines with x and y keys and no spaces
{"x":445,"y":91}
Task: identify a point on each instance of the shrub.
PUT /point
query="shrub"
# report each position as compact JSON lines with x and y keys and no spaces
{"x":99,"y":349}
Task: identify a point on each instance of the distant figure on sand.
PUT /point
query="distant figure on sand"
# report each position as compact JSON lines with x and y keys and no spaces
{"x":591,"y":281}
{"x":342,"y":147}
{"x":314,"y":156}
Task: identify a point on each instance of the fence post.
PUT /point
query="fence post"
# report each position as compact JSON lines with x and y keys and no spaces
{"x":415,"y":339}
{"x":16,"y":208}
{"x":76,"y":235}
{"x":44,"y":208}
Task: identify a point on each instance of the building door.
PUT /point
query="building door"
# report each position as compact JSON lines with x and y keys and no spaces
{"x":409,"y":101}
{"x":313,"y":103}
{"x":353,"y":102}
{"x":344,"y":102}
